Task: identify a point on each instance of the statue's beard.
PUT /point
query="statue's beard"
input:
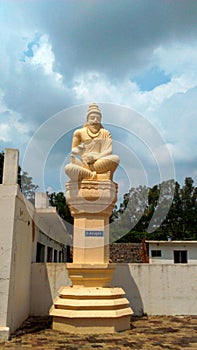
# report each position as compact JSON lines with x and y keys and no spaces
{"x":94,"y":127}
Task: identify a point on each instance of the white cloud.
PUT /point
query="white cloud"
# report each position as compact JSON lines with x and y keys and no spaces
{"x":4,"y":132}
{"x":181,"y":151}
{"x":12,"y":129}
{"x":177,"y":58}
{"x":43,"y":56}
{"x":93,"y":86}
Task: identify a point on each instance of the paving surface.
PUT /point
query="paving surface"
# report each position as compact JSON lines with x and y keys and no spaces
{"x":153,"y":332}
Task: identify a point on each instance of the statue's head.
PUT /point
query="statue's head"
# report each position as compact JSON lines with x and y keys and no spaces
{"x":94,"y":114}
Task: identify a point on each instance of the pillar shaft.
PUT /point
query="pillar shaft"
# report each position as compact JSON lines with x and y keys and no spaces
{"x":91,"y":204}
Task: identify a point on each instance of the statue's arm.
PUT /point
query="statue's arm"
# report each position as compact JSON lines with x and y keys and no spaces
{"x":77,"y":146}
{"x":76,"y":139}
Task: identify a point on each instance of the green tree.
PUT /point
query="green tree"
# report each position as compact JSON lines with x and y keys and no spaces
{"x":173,"y":222}
{"x":160,"y":208}
{"x":1,"y":166}
{"x":129,"y":213}
{"x":27,"y":186}
{"x":189,"y":209}
{"x":180,"y":222}
{"x":58,"y":200}
{"x":114,"y":215}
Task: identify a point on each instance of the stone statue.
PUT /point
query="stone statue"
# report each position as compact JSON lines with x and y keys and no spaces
{"x":91,"y":156}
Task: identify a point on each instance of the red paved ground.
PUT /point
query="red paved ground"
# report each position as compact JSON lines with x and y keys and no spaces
{"x":156,"y":333}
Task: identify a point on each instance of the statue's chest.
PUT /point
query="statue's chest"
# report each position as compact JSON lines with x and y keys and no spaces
{"x":93,"y":144}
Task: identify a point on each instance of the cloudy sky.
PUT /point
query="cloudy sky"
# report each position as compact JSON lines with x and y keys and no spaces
{"x":138,"y":54}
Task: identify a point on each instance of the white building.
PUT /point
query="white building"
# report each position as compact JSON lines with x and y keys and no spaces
{"x":172,"y":252}
{"x":51,"y":240}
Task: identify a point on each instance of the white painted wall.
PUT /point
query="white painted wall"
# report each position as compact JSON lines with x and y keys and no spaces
{"x":152,"y":289}
{"x":167,"y":248}
{"x":20,"y":273}
{"x":46,"y":279}
{"x":7,"y":213}
{"x":159,"y":289}
{"x":15,"y":257}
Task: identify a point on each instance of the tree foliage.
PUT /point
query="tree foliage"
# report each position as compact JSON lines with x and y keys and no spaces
{"x":132,"y":220}
{"x":1,"y":166}
{"x":58,"y":200}
{"x":27,"y":186}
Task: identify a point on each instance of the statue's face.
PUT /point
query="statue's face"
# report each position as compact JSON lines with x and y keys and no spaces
{"x":94,"y":118}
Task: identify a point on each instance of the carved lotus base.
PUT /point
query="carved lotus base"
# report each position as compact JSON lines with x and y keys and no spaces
{"x":91,"y":196}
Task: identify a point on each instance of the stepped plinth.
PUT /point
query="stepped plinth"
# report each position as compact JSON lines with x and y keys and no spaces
{"x":91,"y":310}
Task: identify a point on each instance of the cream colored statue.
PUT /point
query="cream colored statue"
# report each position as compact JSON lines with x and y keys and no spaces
{"x":91,"y":156}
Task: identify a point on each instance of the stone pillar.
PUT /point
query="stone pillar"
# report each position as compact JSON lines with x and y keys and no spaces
{"x":91,"y":204}
{"x":10,"y":166}
{"x":91,"y":305}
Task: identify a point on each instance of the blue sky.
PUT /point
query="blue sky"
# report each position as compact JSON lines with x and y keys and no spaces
{"x":150,"y":79}
{"x":142,"y":55}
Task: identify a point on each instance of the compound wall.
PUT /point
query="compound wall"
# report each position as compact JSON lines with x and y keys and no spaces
{"x":152,"y":289}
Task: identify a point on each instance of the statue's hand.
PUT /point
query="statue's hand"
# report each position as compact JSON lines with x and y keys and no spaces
{"x":89,"y":158}
{"x":92,"y":157}
{"x":78,"y":149}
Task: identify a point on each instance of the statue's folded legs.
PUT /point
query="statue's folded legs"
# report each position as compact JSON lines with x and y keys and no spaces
{"x":76,"y":170}
{"x":105,"y":164}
